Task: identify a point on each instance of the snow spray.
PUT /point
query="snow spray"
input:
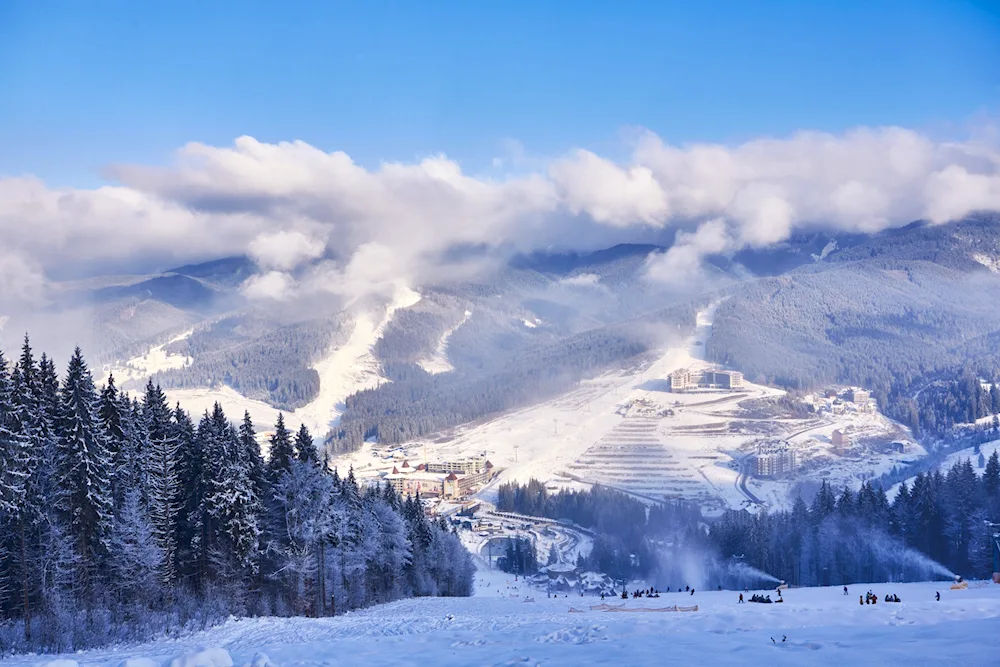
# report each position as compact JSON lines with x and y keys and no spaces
{"x":744,"y":572}
{"x":899,"y":555}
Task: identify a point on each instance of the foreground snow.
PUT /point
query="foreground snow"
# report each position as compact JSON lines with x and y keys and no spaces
{"x":822,"y":626}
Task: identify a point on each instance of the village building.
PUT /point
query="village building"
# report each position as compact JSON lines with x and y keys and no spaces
{"x":447,"y":479}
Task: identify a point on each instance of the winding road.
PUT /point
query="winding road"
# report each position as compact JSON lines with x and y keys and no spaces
{"x":741,"y":481}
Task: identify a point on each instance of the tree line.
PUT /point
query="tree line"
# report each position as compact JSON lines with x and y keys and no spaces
{"x":936,"y":524}
{"x":121,"y":518}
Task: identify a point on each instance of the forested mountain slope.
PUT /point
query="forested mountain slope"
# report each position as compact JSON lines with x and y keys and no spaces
{"x":893,"y":313}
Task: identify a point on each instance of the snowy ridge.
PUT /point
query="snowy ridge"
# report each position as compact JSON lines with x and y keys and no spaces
{"x":438,"y":362}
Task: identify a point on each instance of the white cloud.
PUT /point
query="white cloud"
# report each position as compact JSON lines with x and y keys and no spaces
{"x":290,"y":204}
{"x":681,"y":263}
{"x":284,"y":250}
{"x":609,"y":193}
{"x":21,"y":281}
{"x":271,"y":285}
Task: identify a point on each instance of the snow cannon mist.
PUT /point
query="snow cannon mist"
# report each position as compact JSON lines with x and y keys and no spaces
{"x":899,"y":557}
{"x":748,"y":574}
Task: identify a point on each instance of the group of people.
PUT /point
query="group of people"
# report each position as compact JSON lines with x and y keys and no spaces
{"x":871,"y":598}
{"x":644,"y":593}
{"x":763,"y":599}
{"x":652,"y":593}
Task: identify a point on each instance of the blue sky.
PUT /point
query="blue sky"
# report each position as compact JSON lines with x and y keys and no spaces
{"x":87,"y":84}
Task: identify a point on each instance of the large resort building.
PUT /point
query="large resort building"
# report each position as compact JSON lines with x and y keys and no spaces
{"x":445,"y":479}
{"x":775,"y":459}
{"x":713,"y":378}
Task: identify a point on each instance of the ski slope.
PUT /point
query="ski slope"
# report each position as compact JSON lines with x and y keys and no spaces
{"x":344,"y":370}
{"x":625,"y":431}
{"x":438,"y":362}
{"x":820,"y":626}
{"x":143,"y":366}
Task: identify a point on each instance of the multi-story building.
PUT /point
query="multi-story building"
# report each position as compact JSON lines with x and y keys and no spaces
{"x":713,"y":378}
{"x":775,"y":459}
{"x":859,"y":397}
{"x":448,"y":479}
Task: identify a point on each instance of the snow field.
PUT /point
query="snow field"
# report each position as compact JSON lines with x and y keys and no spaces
{"x":822,"y":627}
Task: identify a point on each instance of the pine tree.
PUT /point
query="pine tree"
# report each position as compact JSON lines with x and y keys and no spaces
{"x":163,"y":500}
{"x":14,"y":454}
{"x":991,"y":476}
{"x":135,"y":554}
{"x":191,"y":492}
{"x":305,"y":451}
{"x":282,"y":452}
{"x":31,"y":432}
{"x":109,"y":411}
{"x":83,"y":467}
{"x":162,"y":476}
{"x":15,"y":458}
{"x":231,"y":507}
{"x":250,"y":453}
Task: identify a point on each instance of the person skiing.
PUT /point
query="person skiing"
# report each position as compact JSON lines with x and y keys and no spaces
{"x":937,"y":595}
{"x":861,"y":601}
{"x":845,"y":590}
{"x":741,"y":598}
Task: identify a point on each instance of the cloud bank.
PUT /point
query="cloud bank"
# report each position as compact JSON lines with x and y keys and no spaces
{"x":316,"y":221}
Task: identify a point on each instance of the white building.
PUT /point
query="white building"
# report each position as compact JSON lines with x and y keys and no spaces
{"x":712,"y":378}
{"x":775,"y":459}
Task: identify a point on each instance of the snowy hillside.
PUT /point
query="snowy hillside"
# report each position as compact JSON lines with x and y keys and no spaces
{"x":969,"y":454}
{"x":143,"y":366}
{"x":815,"y":626}
{"x":626,"y":431}
{"x":346,"y":369}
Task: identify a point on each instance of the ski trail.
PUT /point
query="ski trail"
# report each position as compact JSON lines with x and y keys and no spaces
{"x":350,"y":368}
{"x":438,"y":362}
